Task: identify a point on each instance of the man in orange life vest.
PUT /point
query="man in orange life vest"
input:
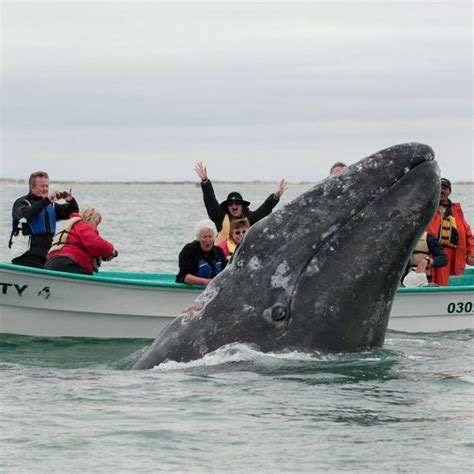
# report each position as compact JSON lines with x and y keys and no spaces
{"x":454,"y":233}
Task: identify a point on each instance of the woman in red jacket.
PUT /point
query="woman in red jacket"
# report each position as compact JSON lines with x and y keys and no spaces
{"x":78,"y":248}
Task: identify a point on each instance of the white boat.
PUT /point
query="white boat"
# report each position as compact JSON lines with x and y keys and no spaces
{"x":38,"y":302}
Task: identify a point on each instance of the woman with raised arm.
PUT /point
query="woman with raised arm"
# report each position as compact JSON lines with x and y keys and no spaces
{"x":234,"y":207}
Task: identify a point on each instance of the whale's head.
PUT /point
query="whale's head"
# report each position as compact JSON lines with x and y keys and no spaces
{"x":321,"y":273}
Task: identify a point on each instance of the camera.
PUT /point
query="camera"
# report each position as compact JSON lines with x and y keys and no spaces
{"x":62,"y":195}
{"x":109,"y":257}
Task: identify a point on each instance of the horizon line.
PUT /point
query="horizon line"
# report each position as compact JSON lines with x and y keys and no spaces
{"x":217,"y":181}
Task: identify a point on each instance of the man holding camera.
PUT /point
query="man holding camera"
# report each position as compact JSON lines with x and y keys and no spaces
{"x":34,"y":221}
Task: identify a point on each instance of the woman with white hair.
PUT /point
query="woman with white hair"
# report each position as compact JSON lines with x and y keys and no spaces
{"x":200,"y":261}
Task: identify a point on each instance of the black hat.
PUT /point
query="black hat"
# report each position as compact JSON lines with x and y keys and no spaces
{"x":446,"y":182}
{"x":233,"y":197}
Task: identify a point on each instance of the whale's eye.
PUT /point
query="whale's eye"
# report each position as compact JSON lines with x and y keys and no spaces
{"x":278,"y":313}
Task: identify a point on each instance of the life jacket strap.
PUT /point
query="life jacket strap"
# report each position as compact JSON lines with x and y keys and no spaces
{"x":225,"y":231}
{"x":449,"y":235}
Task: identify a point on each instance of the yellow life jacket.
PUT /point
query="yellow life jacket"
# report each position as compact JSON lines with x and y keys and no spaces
{"x":448,"y":232}
{"x":60,"y":238}
{"x":231,"y":246}
{"x":225,"y":231}
{"x":420,"y":252}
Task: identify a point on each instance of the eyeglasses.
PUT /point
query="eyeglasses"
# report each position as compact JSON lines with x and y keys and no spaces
{"x":238,"y":232}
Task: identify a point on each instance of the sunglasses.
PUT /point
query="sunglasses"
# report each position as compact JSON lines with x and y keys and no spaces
{"x":238,"y":232}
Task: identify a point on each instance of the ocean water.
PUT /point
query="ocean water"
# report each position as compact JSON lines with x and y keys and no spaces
{"x":72,"y":405}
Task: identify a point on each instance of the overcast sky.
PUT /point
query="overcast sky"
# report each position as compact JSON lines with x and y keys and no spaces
{"x":256,"y":90}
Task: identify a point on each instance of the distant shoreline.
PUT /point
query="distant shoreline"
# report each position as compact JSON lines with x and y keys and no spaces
{"x":24,"y":181}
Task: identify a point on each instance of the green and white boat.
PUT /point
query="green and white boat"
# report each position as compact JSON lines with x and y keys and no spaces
{"x":38,"y":302}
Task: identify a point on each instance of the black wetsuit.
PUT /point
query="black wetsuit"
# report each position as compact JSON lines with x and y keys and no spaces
{"x":29,"y":207}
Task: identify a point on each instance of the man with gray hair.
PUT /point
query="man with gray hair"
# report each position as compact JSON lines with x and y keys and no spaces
{"x":34,"y":219}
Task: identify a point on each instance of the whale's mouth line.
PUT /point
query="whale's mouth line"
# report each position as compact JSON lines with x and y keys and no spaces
{"x":372,"y":199}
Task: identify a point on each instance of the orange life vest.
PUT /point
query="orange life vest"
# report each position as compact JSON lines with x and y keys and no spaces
{"x":456,"y":256}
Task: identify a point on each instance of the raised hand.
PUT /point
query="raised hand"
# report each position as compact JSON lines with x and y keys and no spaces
{"x":282,"y":187}
{"x":201,"y":171}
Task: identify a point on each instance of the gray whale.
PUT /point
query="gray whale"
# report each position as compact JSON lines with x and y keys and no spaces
{"x":321,"y":273}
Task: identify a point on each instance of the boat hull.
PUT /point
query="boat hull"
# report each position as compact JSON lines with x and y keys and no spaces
{"x":56,"y":306}
{"x":117,"y":305}
{"x":432,"y":311}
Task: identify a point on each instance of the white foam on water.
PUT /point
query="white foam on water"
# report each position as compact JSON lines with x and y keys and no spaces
{"x":223,"y":355}
{"x":239,"y":352}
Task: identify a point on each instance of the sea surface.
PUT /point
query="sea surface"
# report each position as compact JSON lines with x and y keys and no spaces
{"x":72,"y":405}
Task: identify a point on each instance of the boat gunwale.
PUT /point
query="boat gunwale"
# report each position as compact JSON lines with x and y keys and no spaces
{"x":101,"y":279}
{"x":163,"y":284}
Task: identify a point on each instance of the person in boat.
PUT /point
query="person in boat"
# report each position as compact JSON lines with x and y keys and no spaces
{"x":78,"y":247}
{"x":452,"y":230}
{"x":238,"y":228}
{"x":337,"y":168}
{"x":427,"y":255}
{"x":234,"y":207}
{"x":200,"y":261}
{"x":34,"y":218}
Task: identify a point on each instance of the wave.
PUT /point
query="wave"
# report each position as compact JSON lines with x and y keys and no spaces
{"x":242,"y":357}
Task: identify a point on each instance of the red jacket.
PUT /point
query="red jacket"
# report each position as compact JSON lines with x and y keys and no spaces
{"x":457,"y":256}
{"x":83,"y":244}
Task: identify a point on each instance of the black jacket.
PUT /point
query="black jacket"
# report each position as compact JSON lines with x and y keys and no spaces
{"x":40,"y":243}
{"x":217,"y":214}
{"x":189,"y":259}
{"x":440,"y":259}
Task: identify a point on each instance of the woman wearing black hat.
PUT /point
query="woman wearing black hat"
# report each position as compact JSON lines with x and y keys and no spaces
{"x":234,"y":207}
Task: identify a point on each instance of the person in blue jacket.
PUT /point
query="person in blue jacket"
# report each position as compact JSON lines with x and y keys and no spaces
{"x":34,"y":218}
{"x":200,"y":261}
